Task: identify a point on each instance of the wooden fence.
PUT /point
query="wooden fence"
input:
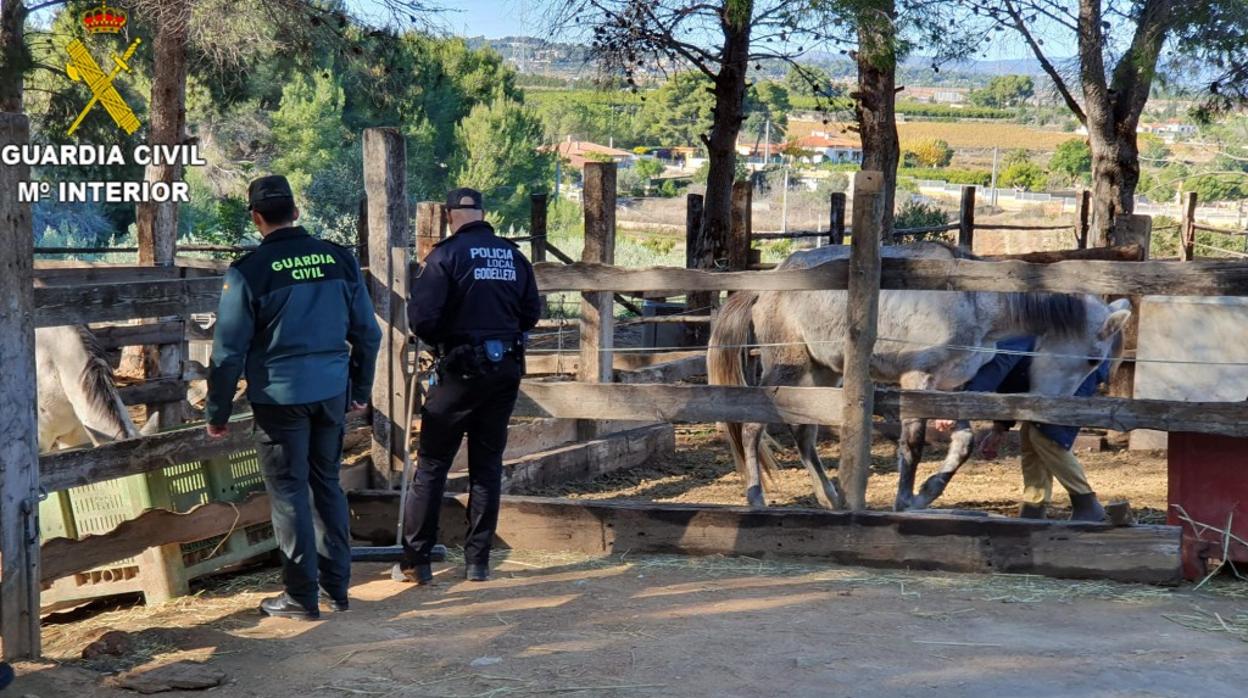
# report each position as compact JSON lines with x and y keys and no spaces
{"x":99,"y":294}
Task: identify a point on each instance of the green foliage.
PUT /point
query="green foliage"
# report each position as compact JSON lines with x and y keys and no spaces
{"x":928,"y":152}
{"x":809,"y":81}
{"x":1153,"y":150}
{"x":1004,"y":91}
{"x":648,"y":168}
{"x":1024,"y":175}
{"x":1228,"y":186}
{"x":679,"y":111}
{"x":307,"y":130}
{"x":740,"y":172}
{"x":661,"y":246}
{"x":1014,"y":156}
{"x":1072,"y":158}
{"x":669,"y":189}
{"x":949,"y":112}
{"x":497,"y":153}
{"x":917,"y":214}
{"x":954,"y":176}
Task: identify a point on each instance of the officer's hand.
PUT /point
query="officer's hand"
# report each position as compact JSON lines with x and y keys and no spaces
{"x":217,"y":431}
{"x":940,"y":424}
{"x":357,"y":408}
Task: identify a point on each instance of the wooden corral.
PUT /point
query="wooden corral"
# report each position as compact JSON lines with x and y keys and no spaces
{"x":613,"y":386}
{"x":921,"y":540}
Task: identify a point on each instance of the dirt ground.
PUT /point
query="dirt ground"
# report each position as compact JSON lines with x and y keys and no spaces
{"x":659,"y":626}
{"x":701,"y":471}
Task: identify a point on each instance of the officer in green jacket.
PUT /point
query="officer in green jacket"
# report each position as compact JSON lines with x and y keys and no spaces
{"x":296,"y":321}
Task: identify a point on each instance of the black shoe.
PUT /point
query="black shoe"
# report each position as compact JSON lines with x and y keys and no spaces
{"x":334,"y":604}
{"x":1084,"y":507}
{"x":438,"y":554}
{"x":283,"y":606}
{"x":477,"y":571}
{"x":420,"y":575}
{"x":6,"y":675}
{"x":1031,"y":511}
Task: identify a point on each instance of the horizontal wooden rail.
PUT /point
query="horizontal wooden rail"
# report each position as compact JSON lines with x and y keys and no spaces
{"x":567,"y":362}
{"x":61,"y":557}
{"x":1082,"y":276}
{"x":152,"y":333}
{"x":944,"y":228}
{"x":110,"y":302}
{"x":705,"y":404}
{"x":1003,"y":226}
{"x":1220,"y":231}
{"x":911,"y":540}
{"x":61,"y":470}
{"x":154,"y":392}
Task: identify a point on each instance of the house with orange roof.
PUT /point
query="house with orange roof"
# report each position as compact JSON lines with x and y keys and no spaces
{"x":821,"y":146}
{"x":577,"y":153}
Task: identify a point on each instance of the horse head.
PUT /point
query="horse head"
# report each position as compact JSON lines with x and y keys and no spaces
{"x":1069,"y":351}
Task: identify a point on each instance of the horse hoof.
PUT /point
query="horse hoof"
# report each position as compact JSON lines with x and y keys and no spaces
{"x":754,"y":497}
{"x":931,"y":490}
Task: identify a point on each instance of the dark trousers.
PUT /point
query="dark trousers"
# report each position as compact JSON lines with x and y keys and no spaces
{"x":300,"y":451}
{"x":479,"y":407}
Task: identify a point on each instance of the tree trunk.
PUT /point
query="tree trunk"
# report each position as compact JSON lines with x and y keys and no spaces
{"x":1115,"y":175}
{"x":875,"y":100}
{"x":721,"y":146}
{"x":157,"y":223}
{"x":15,"y":60}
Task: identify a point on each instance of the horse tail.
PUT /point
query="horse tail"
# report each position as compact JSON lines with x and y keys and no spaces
{"x":90,"y":386}
{"x":727,"y":356}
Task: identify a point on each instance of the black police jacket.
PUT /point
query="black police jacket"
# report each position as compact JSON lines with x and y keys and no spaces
{"x":473,"y":286}
{"x":296,"y":318}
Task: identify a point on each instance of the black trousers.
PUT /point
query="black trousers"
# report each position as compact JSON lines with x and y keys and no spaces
{"x":479,"y":407}
{"x":300,"y":452}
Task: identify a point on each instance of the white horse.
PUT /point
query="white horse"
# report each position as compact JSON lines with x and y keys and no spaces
{"x":78,"y":403}
{"x":801,"y":336}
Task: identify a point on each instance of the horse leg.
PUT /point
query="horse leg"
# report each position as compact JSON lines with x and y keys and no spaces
{"x":751,"y":438}
{"x":827,"y":491}
{"x":961,"y":445}
{"x":910,"y":445}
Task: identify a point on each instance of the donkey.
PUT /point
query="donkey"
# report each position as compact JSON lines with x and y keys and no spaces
{"x":801,"y":337}
{"x":78,"y":403}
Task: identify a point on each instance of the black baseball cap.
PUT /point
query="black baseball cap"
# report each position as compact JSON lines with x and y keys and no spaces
{"x":266,"y":189}
{"x":455,"y":198}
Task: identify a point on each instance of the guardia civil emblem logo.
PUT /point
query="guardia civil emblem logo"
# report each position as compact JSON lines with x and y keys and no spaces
{"x":102,"y":21}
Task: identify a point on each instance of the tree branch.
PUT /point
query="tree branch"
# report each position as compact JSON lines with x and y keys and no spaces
{"x":1062,"y":88}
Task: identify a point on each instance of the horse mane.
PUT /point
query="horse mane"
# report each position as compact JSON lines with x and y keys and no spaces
{"x":1062,"y":314}
{"x":96,"y":381}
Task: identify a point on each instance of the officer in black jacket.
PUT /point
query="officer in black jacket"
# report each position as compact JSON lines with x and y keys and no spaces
{"x":472,"y":302}
{"x":296,"y":320}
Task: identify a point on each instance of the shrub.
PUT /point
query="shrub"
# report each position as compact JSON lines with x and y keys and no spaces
{"x":918,"y":214}
{"x":1024,"y":175}
{"x":929,"y":152}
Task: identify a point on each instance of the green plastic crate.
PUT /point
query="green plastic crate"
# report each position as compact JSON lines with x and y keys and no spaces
{"x":99,"y":508}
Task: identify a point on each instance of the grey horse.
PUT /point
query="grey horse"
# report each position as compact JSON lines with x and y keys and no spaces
{"x":78,"y":403}
{"x":801,"y":343}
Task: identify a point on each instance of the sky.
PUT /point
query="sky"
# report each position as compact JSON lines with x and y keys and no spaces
{"x":495,"y":19}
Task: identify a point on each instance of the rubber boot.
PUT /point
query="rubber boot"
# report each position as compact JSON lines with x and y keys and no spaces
{"x":1031,"y":511}
{"x":1084,"y":507}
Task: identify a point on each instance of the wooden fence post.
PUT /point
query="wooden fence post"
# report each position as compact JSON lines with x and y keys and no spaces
{"x":1129,"y":230}
{"x":864,"y":302}
{"x":741,"y":249}
{"x":538,"y":205}
{"x":19,"y":449}
{"x":700,"y":302}
{"x":597,"y":309}
{"x":361,"y":233}
{"x":1083,"y":210}
{"x":966,"y":219}
{"x":836,"y":224}
{"x":389,"y":233}
{"x":1187,"y":251}
{"x":430,"y":227}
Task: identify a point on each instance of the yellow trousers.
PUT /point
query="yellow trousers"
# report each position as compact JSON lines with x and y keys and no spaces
{"x":1044,"y":460}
